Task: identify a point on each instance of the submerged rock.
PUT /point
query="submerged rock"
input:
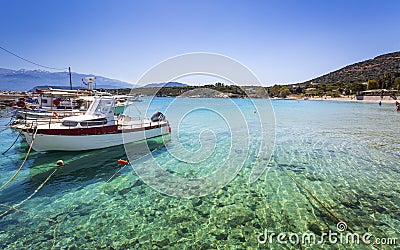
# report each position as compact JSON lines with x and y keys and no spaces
{"x":219,"y":234}
{"x":161,"y":243}
{"x":379,"y":209}
{"x":313,"y":178}
{"x":138,"y":183}
{"x":351,"y":204}
{"x":313,"y":227}
{"x":197,"y":202}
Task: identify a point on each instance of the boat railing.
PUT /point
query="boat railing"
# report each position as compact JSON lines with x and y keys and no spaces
{"x":28,"y":121}
{"x":136,"y":122}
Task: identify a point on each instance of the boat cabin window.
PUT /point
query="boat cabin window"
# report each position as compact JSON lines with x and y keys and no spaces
{"x":103,"y":106}
{"x":96,"y":122}
{"x":69,"y":123}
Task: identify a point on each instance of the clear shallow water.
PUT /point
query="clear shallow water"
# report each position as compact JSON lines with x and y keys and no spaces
{"x":347,"y":154}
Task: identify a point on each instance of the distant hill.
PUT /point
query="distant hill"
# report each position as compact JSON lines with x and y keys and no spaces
{"x":24,"y":80}
{"x":168,"y":84}
{"x":373,"y":69}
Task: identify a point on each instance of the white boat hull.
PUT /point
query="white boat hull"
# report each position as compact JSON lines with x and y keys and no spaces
{"x":46,"y":142}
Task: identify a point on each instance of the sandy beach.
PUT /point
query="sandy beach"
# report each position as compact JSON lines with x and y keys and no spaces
{"x":346,"y":99}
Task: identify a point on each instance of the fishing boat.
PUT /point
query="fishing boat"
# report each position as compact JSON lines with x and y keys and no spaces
{"x":50,"y":105}
{"x":97,"y":128}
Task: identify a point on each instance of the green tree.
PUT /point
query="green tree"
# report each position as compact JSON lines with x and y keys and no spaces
{"x":285,"y":91}
{"x":357,"y":87}
{"x":397,"y":83}
{"x":275,"y":90}
{"x":332,"y":93}
{"x":372,"y":84}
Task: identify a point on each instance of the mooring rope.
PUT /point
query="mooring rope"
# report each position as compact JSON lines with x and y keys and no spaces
{"x":30,"y":196}
{"x":56,"y":222}
{"x":15,"y":207}
{"x":4,"y":129}
{"x":323,"y":205}
{"x":27,"y":212}
{"x":56,"y":225}
{"x":11,"y":120}
{"x":38,"y":188}
{"x":19,"y":134}
{"x":121,"y":168}
{"x":7,"y":125}
{"x":22,"y":164}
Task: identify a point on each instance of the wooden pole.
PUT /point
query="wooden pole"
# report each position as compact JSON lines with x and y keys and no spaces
{"x":70,"y":78}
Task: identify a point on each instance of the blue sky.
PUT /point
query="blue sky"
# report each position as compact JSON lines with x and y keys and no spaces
{"x":280,"y":41}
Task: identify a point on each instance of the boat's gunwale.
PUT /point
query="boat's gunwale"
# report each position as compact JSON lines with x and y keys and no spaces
{"x":111,"y":129}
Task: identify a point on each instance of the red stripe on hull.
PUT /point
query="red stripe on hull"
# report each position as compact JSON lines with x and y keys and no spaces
{"x":79,"y":131}
{"x":92,"y":131}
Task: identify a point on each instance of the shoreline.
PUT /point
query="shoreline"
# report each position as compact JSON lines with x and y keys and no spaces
{"x":7,"y":96}
{"x":341,"y":99}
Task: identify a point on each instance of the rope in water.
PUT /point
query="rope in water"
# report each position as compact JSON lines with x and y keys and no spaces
{"x":27,"y":212}
{"x":56,"y":222}
{"x":4,"y":129}
{"x":7,"y":126}
{"x":16,"y":139}
{"x":56,"y":225}
{"x":30,"y":196}
{"x":323,"y":205}
{"x":15,"y":207}
{"x":22,"y":164}
{"x":121,"y":168}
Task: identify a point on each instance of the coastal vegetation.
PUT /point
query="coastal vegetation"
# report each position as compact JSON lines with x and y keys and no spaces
{"x":381,"y":72}
{"x":336,"y":89}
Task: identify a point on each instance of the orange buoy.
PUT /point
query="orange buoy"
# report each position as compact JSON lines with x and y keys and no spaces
{"x":123,"y":162}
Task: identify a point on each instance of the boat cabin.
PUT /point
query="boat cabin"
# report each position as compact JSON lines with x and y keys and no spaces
{"x":100,"y":113}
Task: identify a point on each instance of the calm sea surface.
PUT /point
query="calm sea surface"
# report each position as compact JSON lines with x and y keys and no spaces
{"x":345,"y":154}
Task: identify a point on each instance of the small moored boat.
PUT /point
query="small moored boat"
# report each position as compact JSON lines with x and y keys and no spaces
{"x":97,"y":128}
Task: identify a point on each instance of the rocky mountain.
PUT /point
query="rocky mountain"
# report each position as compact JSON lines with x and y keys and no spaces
{"x":373,"y":69}
{"x":24,"y":80}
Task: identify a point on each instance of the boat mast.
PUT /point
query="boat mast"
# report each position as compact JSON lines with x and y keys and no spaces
{"x":70,"y":78}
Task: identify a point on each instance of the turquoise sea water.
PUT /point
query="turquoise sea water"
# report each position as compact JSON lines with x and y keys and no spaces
{"x":346,"y":154}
